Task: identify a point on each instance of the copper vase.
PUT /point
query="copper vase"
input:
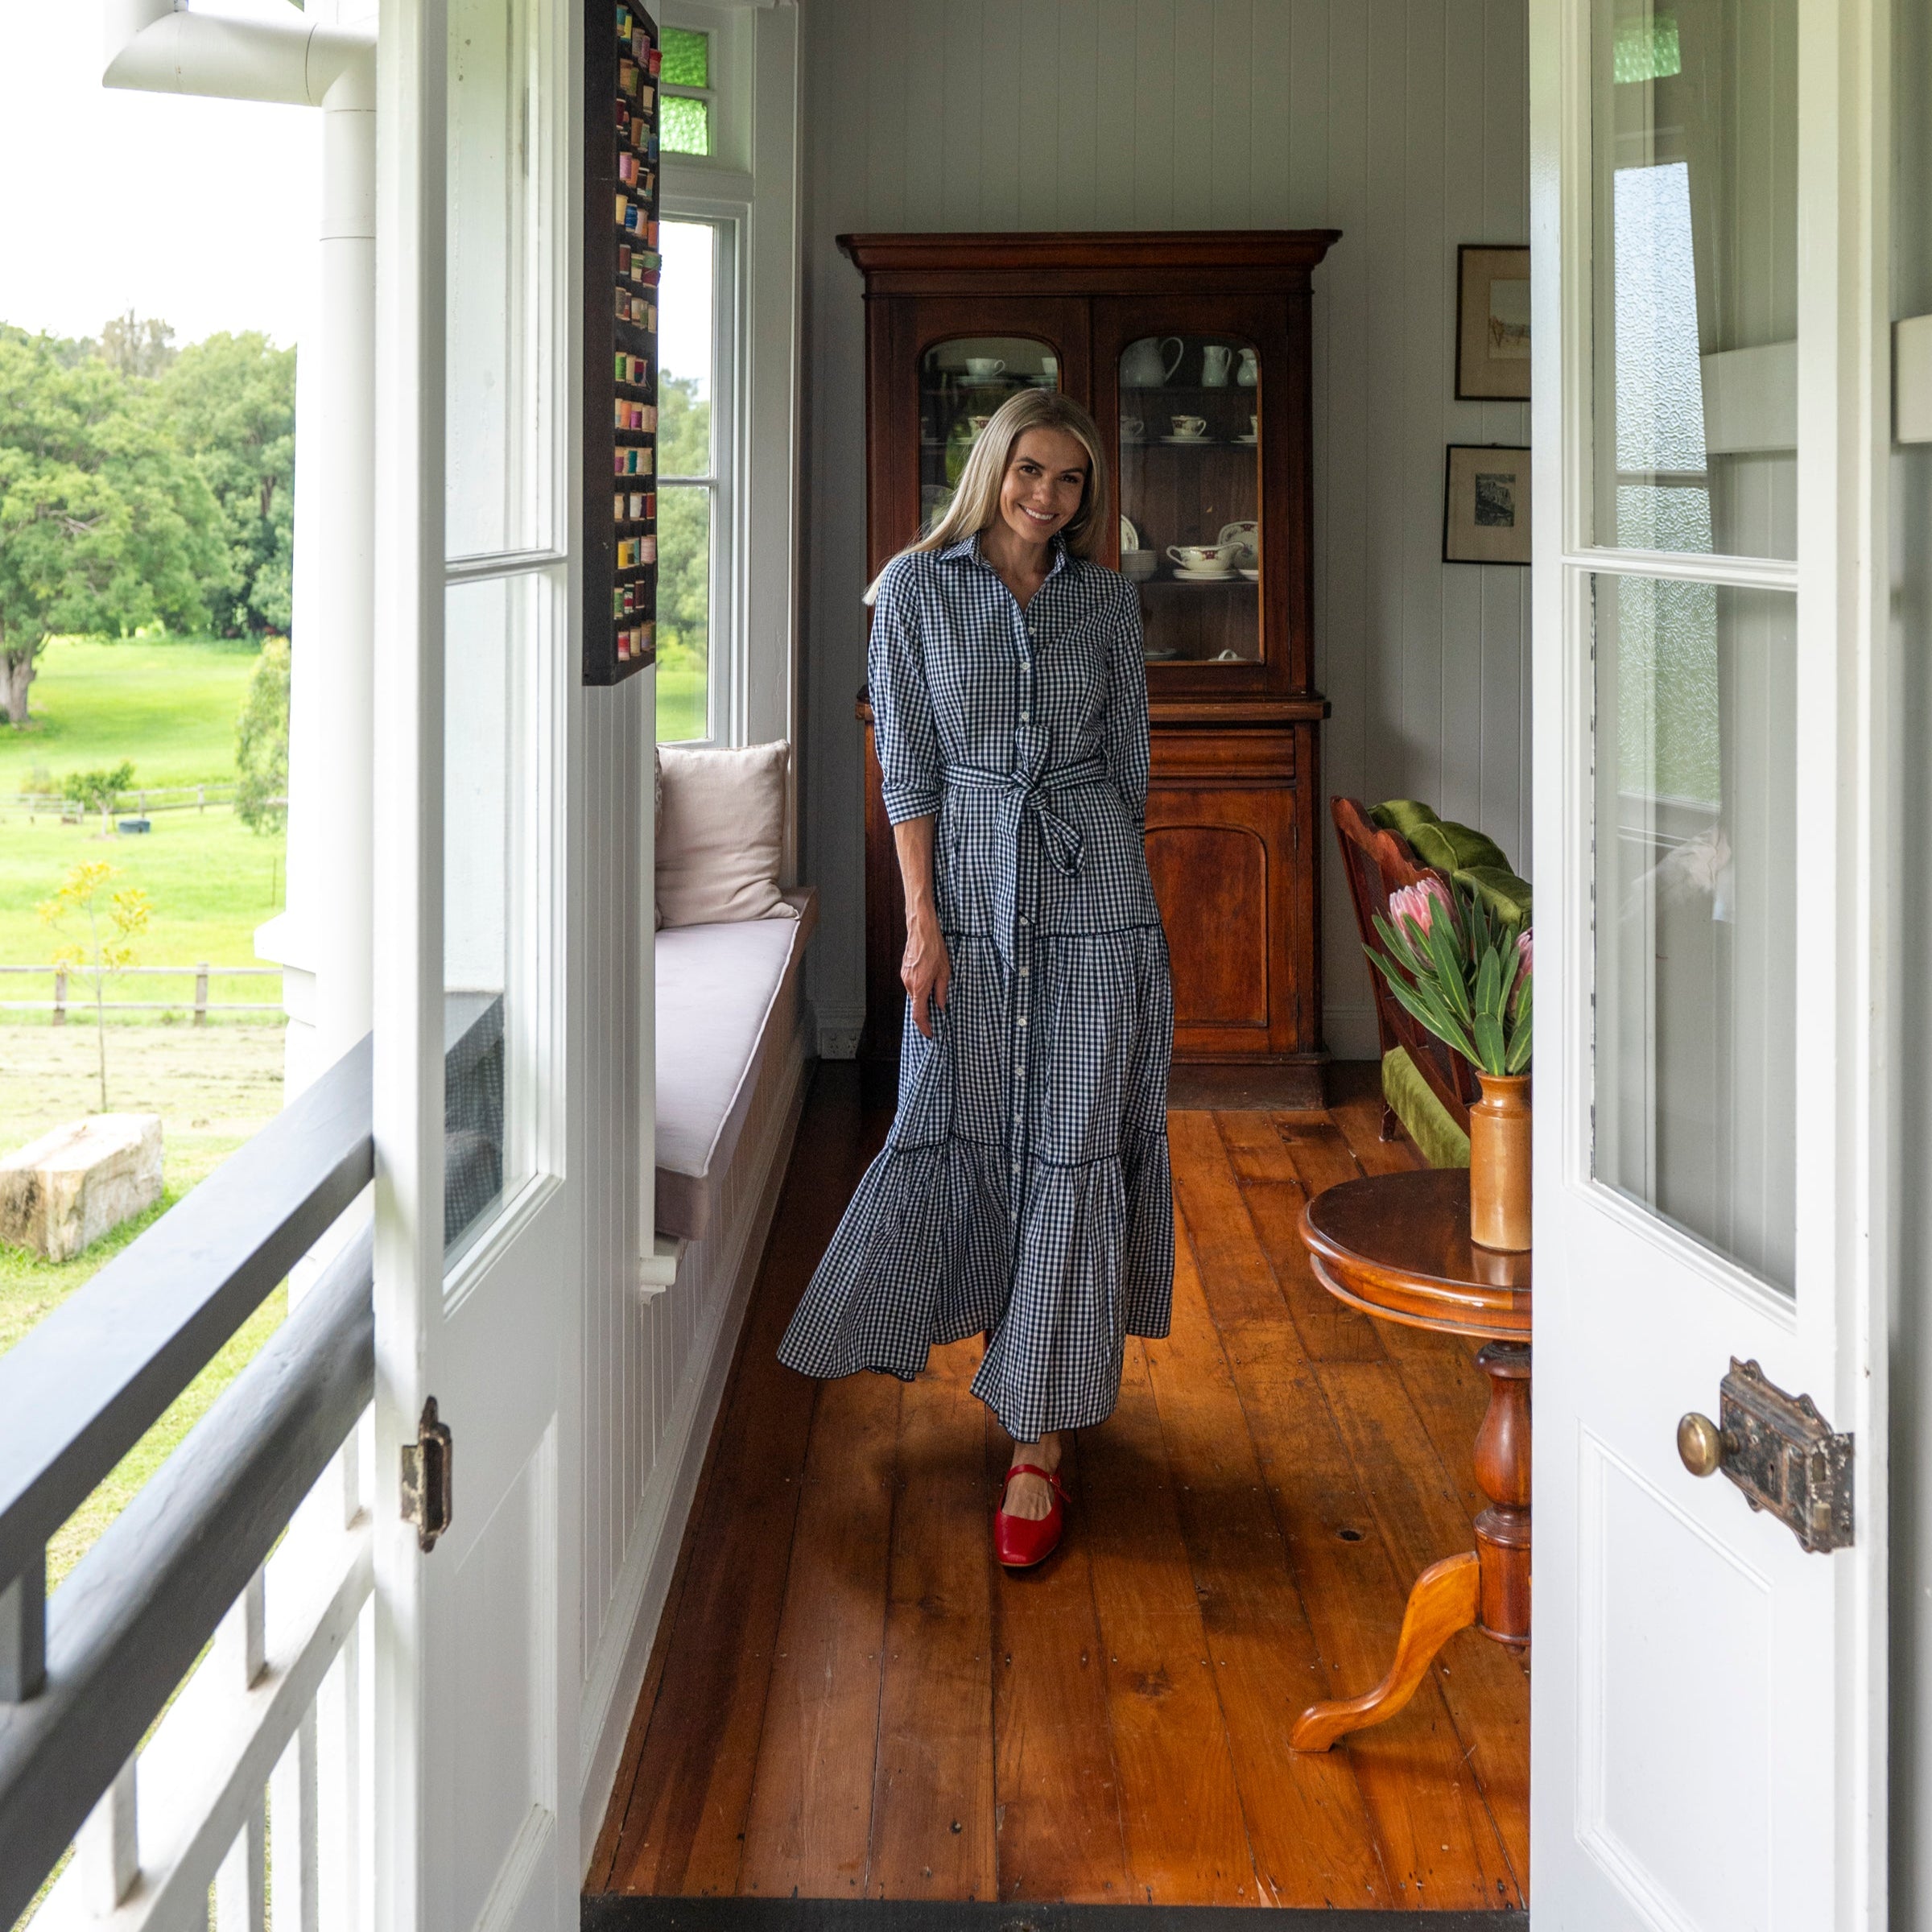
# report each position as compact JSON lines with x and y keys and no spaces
{"x":1499,"y":1162}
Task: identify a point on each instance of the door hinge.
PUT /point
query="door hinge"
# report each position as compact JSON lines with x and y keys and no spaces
{"x":1780,"y":1451}
{"x":427,"y":1478}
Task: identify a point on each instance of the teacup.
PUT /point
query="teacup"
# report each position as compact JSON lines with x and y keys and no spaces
{"x":1254,"y":425}
{"x":1133,"y":429}
{"x":984,"y":368}
{"x":1189,"y":426}
{"x":1204,"y":560}
{"x":976,"y":423}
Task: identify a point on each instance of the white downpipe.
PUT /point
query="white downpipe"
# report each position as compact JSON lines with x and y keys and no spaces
{"x":325,"y":939}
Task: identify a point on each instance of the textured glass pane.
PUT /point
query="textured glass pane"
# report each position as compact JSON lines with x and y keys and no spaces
{"x":685,"y":127}
{"x":686,"y":57}
{"x":1696,"y":1087}
{"x":1190,"y":452}
{"x":962,"y":382}
{"x":1696,"y":316}
{"x":490,"y":713}
{"x":494,"y":430}
{"x":683,"y":612}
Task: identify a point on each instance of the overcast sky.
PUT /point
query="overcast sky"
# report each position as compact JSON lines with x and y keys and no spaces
{"x":202,"y":212}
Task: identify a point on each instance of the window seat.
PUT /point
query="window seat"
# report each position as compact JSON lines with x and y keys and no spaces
{"x":726,"y":999}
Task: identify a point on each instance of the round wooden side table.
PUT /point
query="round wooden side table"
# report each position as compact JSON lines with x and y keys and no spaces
{"x":1397,"y":1246}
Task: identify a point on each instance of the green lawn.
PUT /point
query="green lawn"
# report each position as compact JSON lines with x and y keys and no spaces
{"x":210,"y":881}
{"x":170,"y":706}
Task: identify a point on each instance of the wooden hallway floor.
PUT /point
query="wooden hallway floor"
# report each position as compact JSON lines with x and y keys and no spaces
{"x":848,"y":1699}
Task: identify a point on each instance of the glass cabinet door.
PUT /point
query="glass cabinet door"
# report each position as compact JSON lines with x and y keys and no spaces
{"x":962,"y":382}
{"x":1190,"y":440}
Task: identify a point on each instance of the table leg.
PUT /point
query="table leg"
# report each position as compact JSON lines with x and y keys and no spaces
{"x":1487,"y":1587}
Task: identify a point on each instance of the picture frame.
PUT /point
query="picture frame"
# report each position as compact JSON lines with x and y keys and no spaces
{"x":1486,"y":504}
{"x":1492,"y":324}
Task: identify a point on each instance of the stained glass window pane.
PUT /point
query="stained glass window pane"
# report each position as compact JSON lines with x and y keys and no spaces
{"x":686,"y":126}
{"x":686,"y":58}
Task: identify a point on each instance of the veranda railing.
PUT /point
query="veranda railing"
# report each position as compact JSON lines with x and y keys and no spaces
{"x":265,"y":1724}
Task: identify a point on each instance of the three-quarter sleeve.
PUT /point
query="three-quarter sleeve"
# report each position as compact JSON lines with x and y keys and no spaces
{"x":1126,"y":746}
{"x":901,"y":702}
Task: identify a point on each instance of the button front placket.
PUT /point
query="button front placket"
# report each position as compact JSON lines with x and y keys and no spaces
{"x":1026,"y":901}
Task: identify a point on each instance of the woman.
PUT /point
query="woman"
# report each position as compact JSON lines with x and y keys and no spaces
{"x":1024,"y":1190}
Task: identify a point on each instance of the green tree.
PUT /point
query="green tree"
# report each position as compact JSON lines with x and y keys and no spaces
{"x":136,"y":347}
{"x":97,"y":790}
{"x":108,"y":947}
{"x":683,"y":522}
{"x":230,"y":402}
{"x":105,"y":524}
{"x":261,"y":742}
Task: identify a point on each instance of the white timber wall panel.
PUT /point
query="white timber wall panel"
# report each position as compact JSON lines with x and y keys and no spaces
{"x":1403,"y":122}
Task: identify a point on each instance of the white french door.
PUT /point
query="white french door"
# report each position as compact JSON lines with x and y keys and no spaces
{"x":477,"y":1221}
{"x":1711,"y":422}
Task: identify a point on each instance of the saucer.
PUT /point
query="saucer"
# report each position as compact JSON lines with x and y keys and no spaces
{"x":1153,"y":653}
{"x":1250,"y":440}
{"x":1253,"y":576}
{"x":1182,"y":576}
{"x":1205,"y":442}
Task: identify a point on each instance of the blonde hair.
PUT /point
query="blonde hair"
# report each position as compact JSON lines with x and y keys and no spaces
{"x":976,"y":503}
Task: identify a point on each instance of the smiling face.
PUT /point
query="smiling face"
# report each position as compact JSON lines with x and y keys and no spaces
{"x":1045,"y":476}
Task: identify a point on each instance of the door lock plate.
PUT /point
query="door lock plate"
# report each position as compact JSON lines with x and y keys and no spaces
{"x":428,"y":1493}
{"x":1785,"y":1458}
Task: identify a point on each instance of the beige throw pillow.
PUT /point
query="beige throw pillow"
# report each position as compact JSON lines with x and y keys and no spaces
{"x":722,"y":835}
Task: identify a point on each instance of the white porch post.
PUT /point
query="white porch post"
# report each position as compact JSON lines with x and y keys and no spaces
{"x":316,"y":59}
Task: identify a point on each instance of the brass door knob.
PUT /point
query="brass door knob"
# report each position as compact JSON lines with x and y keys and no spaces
{"x":1700,"y":1444}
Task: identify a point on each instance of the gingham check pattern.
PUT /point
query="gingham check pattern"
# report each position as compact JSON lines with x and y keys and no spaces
{"x":1024,"y":1189}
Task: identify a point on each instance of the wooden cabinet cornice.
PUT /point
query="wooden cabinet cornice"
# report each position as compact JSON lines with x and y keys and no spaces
{"x":1192,"y":351}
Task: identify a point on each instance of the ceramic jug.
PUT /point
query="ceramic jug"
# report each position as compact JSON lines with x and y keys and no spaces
{"x":1249,"y":371}
{"x":1145,"y":366}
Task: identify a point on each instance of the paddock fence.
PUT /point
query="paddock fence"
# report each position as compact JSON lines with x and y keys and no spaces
{"x":137,"y":801}
{"x":72,"y":994}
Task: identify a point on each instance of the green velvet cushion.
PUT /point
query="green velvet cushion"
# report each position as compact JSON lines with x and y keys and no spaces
{"x":1430,"y":1126}
{"x":1506,"y":895}
{"x":1471,"y":857}
{"x":1402,"y":815}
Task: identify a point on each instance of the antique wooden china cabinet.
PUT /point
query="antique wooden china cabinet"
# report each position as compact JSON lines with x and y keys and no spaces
{"x":1192,"y":352}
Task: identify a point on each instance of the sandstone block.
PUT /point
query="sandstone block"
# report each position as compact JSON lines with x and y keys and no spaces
{"x":62,"y":1192}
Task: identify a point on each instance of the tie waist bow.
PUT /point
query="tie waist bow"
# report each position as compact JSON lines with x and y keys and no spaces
{"x":1030,"y":794}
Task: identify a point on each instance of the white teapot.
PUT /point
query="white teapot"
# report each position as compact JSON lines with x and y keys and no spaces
{"x":1144,"y":365}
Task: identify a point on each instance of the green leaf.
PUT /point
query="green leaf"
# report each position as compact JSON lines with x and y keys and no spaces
{"x":1489,"y":989}
{"x":1450,"y":967}
{"x":1442,"y":1024}
{"x":1490,"y":1051}
{"x":1398,"y":947}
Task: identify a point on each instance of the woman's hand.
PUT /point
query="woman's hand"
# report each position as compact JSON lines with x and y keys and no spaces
{"x":926,"y":971}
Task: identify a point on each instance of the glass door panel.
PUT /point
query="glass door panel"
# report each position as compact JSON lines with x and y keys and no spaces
{"x":492,"y":847}
{"x":1190,"y":456}
{"x":1697,"y":910}
{"x":962,"y":382}
{"x":1695,"y":143}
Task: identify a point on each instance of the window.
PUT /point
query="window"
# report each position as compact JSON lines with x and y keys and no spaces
{"x":690,"y":99}
{"x":694,"y":444}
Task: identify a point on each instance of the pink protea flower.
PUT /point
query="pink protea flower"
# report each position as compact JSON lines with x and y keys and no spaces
{"x":1418,"y":904}
{"x":1525,"y":953}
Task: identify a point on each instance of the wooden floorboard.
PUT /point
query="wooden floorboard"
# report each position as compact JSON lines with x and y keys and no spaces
{"x":848,"y":1699}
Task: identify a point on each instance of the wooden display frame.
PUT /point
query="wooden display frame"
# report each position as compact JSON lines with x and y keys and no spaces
{"x":622,"y":267}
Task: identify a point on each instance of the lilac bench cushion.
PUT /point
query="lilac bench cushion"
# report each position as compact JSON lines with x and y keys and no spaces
{"x":718,"y":988}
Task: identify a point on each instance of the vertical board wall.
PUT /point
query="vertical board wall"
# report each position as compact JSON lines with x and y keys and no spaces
{"x":1403,"y":122}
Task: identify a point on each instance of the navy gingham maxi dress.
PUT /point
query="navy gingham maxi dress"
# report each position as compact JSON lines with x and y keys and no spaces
{"x":1024,"y":1189}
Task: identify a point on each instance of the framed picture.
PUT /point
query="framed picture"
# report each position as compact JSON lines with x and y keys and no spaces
{"x":1492,"y":324}
{"x":1486,"y":505}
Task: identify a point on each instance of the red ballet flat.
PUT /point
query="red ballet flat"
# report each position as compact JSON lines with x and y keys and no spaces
{"x":1021,"y":1541}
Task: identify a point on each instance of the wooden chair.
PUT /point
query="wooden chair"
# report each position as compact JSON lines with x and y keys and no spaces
{"x":1378,"y":863}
